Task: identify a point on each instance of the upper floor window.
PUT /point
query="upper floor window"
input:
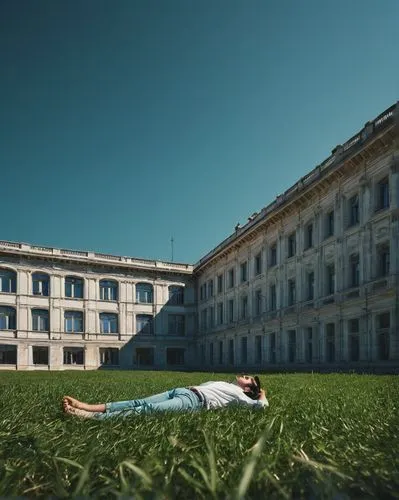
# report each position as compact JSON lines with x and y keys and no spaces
{"x":291,"y":292}
{"x":210,"y":288}
{"x":73,"y":321}
{"x":144,"y":293}
{"x":309,"y":236}
{"x":291,"y":245}
{"x":74,"y":287}
{"x":231,"y":310}
{"x":330,"y":220}
{"x":258,"y":302}
{"x":244,"y":307}
{"x":273,"y":255}
{"x":220,"y":318}
{"x":145,"y":324}
{"x":354,"y":213}
{"x":382,"y":194}
{"x":108,"y":323}
{"x":310,"y":286}
{"x":383,"y":260}
{"x":273,"y":298}
{"x":176,"y":324}
{"x":330,"y":279}
{"x":231,"y":278}
{"x":220,"y":283}
{"x":8,"y":281}
{"x":7,"y":318}
{"x":354,"y":270}
{"x":203,"y":292}
{"x":40,"y":320}
{"x":258,"y":264}
{"x":244,"y":272}
{"x":108,"y":290}
{"x":40,"y":284}
{"x":176,"y":295}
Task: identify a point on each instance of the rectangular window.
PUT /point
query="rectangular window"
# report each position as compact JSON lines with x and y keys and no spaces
{"x":145,"y":324}
{"x":40,"y":284}
{"x":244,"y":273}
{"x":220,"y":313}
{"x":210,"y":288}
{"x":383,"y":260}
{"x":330,"y":279}
{"x":309,"y":236}
{"x":383,"y":336}
{"x":309,"y":344}
{"x":108,"y":323}
{"x":175,"y":356}
{"x":203,"y":324}
{"x":273,"y":298}
{"x":231,"y":351}
{"x":144,"y":356}
{"x":211,"y":353}
{"x":244,"y":350}
{"x":330,"y":343}
{"x":203,"y":290}
{"x":272,"y":348}
{"x":231,"y":311}
{"x":291,"y":245}
{"x":73,"y":321}
{"x":258,"y":303}
{"x":354,"y":270}
{"x":258,"y":264}
{"x":383,"y":194}
{"x":310,"y":286}
{"x":220,"y":283}
{"x":291,"y":292}
{"x":73,"y":356}
{"x":176,"y":295}
{"x":40,"y":320}
{"x":176,"y":324}
{"x":8,"y":281}
{"x":354,"y":210}
{"x":330,"y":220}
{"x":109,"y":356}
{"x":8,"y":354}
{"x":220,"y":352}
{"x":291,"y":346}
{"x":273,"y":255}
{"x":108,"y":290}
{"x":40,"y":355}
{"x":144,"y":293}
{"x":211,"y":317}
{"x":258,"y":349}
{"x":244,"y":307}
{"x":354,"y":344}
{"x":231,"y":278}
{"x":73,"y":287}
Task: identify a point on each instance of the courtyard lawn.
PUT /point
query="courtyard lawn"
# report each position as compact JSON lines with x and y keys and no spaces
{"x":322,"y":435}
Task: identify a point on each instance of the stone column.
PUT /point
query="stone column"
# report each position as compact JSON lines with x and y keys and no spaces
{"x":22,"y":356}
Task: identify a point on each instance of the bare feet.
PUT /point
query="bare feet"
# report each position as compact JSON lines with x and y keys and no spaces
{"x":74,"y":403}
{"x":71,"y":410}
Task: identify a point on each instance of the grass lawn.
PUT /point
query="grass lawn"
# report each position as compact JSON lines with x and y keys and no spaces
{"x":322,"y":435}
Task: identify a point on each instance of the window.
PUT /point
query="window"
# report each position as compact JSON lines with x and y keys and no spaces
{"x":354,"y":346}
{"x":244,"y":350}
{"x":220,"y":352}
{"x":108,"y":290}
{"x":8,"y":354}
{"x":40,"y":320}
{"x":354,"y":270}
{"x":144,"y":356}
{"x":383,"y":194}
{"x":330,"y":219}
{"x":231,"y":351}
{"x":175,"y":356}
{"x":220,"y":313}
{"x":7,"y":318}
{"x":231,"y":310}
{"x":383,"y":325}
{"x":231,"y":278}
{"x":176,"y":295}
{"x":244,"y":273}
{"x":145,"y":324}
{"x":291,"y":346}
{"x":258,"y":303}
{"x":383,"y":260}
{"x":272,"y":348}
{"x":330,"y":343}
{"x":73,"y":321}
{"x":310,"y":286}
{"x":258,"y":264}
{"x":244,"y":307}
{"x":176,"y":324}
{"x":291,"y":292}
{"x":220,"y":283}
{"x":203,"y":291}
{"x":109,"y":356}
{"x":273,"y":255}
{"x":211,"y":317}
{"x":354,"y":210}
{"x":40,"y":284}
{"x":273,"y":298}
{"x":330,"y":279}
{"x":210,"y":288}
{"x":291,"y":245}
{"x":144,"y":293}
{"x":8,"y":281}
{"x":74,"y":287}
{"x":204,"y":319}
{"x":108,"y":323}
{"x":211,"y":353}
{"x":258,"y":349}
{"x":40,"y":355}
{"x":73,"y":356}
{"x":309,"y":345}
{"x":309,"y":236}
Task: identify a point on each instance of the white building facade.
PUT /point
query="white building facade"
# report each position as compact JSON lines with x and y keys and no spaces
{"x":309,"y":282}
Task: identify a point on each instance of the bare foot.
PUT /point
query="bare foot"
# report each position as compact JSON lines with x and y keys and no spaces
{"x":70,"y":410}
{"x":67,"y":400}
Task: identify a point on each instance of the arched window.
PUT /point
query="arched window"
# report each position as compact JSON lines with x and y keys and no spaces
{"x":144,"y":293}
{"x":73,"y":321}
{"x":74,"y":287}
{"x":144,"y":324}
{"x":7,"y":318}
{"x":40,"y":284}
{"x":8,"y":281}
{"x":176,"y":295}
{"x":108,"y":290}
{"x":40,"y":320}
{"x":108,"y":323}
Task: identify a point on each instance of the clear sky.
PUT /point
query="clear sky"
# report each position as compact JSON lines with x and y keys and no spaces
{"x":125,"y":122}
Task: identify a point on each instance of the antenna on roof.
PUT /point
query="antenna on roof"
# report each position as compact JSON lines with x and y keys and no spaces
{"x":171,"y":244}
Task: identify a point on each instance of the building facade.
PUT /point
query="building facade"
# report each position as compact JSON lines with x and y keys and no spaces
{"x":309,"y":282}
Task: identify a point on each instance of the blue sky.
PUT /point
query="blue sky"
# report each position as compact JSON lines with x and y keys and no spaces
{"x":124,"y":123}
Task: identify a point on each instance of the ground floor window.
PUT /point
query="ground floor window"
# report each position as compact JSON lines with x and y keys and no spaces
{"x":291,"y":346}
{"x":211,"y":353}
{"x":8,"y":354}
{"x":175,"y":356}
{"x":272,"y":348}
{"x":244,"y":350}
{"x":330,"y":343}
{"x":220,"y":352}
{"x":231,"y":351}
{"x":258,"y":349}
{"x":383,"y":325}
{"x":73,"y":356}
{"x":109,"y":356}
{"x":353,"y":341}
{"x":309,"y":345}
{"x":144,"y":356}
{"x":40,"y":355}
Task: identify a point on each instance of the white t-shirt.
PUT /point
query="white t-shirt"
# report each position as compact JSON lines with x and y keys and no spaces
{"x":219,"y":394}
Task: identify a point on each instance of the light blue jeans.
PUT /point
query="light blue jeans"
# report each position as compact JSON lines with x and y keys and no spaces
{"x":180,"y":399}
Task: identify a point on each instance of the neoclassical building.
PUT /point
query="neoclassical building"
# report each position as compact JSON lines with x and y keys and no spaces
{"x":309,"y":282}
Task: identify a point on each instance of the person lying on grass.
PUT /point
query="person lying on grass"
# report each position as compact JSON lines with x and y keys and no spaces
{"x":245,"y":390}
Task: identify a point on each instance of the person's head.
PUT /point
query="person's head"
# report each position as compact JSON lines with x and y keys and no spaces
{"x":250,"y":385}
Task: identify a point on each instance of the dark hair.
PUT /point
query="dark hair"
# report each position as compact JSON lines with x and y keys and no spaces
{"x":253,"y":391}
